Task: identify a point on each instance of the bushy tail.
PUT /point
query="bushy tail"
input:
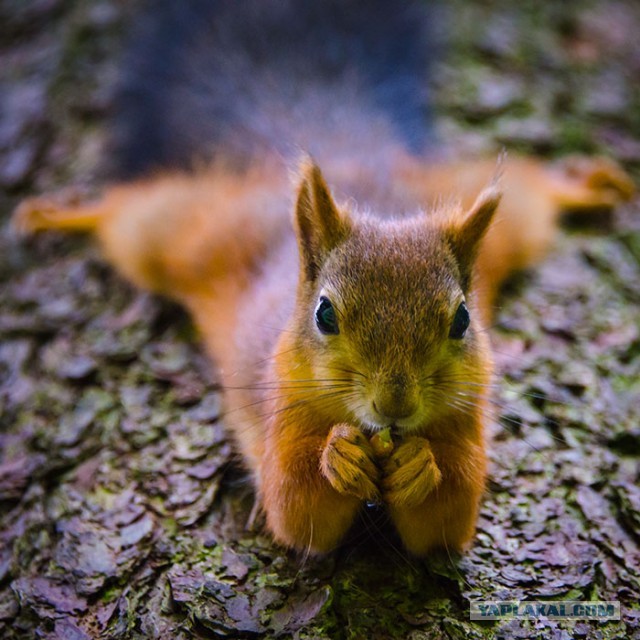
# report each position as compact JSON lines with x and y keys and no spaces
{"x":204,"y":78}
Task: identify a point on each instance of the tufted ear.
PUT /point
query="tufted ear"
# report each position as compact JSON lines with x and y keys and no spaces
{"x":466,"y":235}
{"x":319,"y":224}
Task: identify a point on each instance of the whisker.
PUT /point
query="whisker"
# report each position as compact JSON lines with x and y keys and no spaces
{"x":465,"y":406}
{"x":292,"y":383}
{"x":494,"y":386}
{"x":328,"y":400}
{"x":256,"y":363}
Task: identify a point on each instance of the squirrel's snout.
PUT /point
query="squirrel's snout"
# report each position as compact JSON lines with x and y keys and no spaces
{"x":393,"y":411}
{"x":395,"y":400}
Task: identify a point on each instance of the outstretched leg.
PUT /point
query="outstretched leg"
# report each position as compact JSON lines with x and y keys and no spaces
{"x":535,"y":194}
{"x":583,"y":183}
{"x":42,"y":213}
{"x":175,"y":234}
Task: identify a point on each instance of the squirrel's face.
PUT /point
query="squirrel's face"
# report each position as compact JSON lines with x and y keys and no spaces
{"x":389,"y":318}
{"x":383,"y":310}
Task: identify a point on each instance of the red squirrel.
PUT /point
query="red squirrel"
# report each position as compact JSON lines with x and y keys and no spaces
{"x":350,"y":337}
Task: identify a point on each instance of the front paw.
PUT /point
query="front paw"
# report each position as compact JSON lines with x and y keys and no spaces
{"x":347,"y":462}
{"x":410,"y":474}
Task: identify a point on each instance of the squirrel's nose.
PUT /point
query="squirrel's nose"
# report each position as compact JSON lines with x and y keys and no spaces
{"x":392,"y":410}
{"x":395,"y":400}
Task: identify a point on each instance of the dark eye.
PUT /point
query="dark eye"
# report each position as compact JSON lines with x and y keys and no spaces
{"x":460,"y":322}
{"x":326,"y":320}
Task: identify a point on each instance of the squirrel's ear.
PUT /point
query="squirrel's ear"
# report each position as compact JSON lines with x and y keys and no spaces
{"x":319,"y":225}
{"x":466,"y":235}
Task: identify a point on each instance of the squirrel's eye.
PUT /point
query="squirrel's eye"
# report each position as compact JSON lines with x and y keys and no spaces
{"x":326,"y":320}
{"x":460,"y":322}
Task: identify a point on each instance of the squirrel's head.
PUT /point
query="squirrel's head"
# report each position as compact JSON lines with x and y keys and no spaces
{"x":385,"y":307}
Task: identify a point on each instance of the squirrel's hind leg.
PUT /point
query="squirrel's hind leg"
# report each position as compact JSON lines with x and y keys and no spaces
{"x":44,"y":213}
{"x":110,"y":218}
{"x":584,"y":183}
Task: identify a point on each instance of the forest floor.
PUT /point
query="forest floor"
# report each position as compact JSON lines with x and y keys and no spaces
{"x":122,"y":514}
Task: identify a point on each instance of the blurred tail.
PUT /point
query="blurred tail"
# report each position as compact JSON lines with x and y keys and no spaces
{"x":211,"y":78}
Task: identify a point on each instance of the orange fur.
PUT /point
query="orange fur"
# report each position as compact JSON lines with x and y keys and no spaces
{"x":300,"y":403}
{"x":534,"y":195}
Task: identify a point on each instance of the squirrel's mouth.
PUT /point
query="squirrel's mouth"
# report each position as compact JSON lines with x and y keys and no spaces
{"x":371,"y":423}
{"x":372,"y":429}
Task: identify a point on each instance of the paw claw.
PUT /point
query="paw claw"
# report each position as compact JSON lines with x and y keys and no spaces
{"x":410,"y":474}
{"x":347,"y":462}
